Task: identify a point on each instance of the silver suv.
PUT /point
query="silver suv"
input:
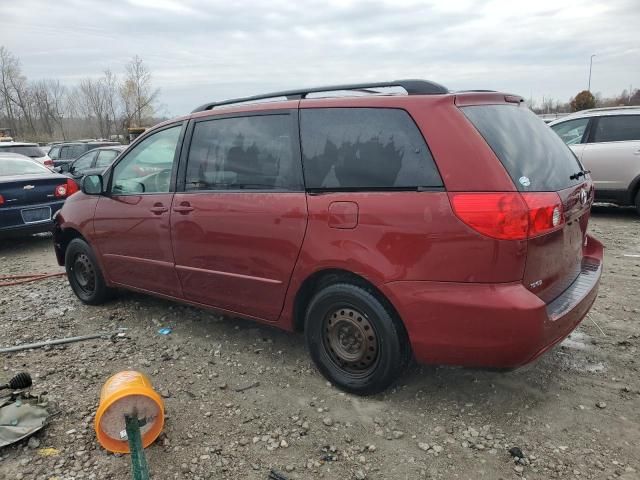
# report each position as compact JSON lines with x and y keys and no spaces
{"x":607,"y":142}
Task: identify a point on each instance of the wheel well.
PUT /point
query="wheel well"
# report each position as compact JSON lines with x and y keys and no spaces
{"x":65,"y":239}
{"x":324,"y":278}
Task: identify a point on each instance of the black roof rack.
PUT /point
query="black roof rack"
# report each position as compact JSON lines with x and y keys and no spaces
{"x":412,"y":87}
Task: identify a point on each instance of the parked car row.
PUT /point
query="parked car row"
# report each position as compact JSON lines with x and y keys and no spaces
{"x":447,"y":227}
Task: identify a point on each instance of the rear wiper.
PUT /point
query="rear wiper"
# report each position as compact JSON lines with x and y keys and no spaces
{"x":581,"y":173}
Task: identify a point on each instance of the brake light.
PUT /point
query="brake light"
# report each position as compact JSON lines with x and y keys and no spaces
{"x":509,"y":215}
{"x":48,"y":163}
{"x":545,"y":212}
{"x":1,"y":200}
{"x":66,"y":189}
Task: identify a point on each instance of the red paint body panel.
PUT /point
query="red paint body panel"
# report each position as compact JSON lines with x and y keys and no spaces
{"x":134,"y":243}
{"x":464,"y":298}
{"x":237,"y":250}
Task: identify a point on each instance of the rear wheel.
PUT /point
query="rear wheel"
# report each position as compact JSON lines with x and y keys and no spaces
{"x":638,"y":202}
{"x":84,"y":274}
{"x":354,"y":340}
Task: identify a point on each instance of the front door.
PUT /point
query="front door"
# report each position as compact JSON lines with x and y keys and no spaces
{"x":132,"y":221}
{"x":239,"y":222}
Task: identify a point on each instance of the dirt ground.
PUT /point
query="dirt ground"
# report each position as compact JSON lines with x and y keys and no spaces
{"x":574,"y":413}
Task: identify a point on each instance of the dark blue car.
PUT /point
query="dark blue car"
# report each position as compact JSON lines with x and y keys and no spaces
{"x":30,"y":194}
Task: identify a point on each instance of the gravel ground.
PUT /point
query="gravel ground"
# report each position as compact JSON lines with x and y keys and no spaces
{"x":574,"y":413}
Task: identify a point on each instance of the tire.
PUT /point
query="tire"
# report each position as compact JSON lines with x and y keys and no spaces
{"x":84,"y":274}
{"x":638,"y":202}
{"x":356,"y":342}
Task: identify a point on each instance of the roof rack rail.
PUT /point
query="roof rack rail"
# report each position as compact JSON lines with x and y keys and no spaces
{"x":412,"y":87}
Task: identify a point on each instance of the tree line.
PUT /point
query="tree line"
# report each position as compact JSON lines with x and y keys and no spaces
{"x":94,"y":108}
{"x":584,"y":100}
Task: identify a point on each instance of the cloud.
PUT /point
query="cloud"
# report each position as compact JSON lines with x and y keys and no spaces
{"x":206,"y":50}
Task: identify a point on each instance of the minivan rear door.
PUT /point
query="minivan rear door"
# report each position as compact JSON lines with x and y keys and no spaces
{"x":238,"y":224}
{"x":538,"y":161}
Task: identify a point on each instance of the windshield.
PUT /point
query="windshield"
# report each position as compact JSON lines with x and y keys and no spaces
{"x":17,"y":166}
{"x":32,"y":151}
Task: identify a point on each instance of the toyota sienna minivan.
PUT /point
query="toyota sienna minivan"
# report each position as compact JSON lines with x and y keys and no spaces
{"x":445,"y":227}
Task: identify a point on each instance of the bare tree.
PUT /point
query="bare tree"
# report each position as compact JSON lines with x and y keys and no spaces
{"x":137,"y":93}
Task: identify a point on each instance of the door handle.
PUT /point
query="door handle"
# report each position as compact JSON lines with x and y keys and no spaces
{"x":158,"y":209}
{"x":183,"y":208}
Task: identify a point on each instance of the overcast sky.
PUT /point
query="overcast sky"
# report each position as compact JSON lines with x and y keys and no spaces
{"x":199,"y":51}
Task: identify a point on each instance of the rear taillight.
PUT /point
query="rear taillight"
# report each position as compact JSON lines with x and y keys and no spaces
{"x":509,"y":215}
{"x":66,"y":189}
{"x":48,"y":163}
{"x":545,"y":212}
{"x":1,"y":200}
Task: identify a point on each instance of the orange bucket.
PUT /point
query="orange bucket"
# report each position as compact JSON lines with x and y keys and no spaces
{"x":128,"y":393}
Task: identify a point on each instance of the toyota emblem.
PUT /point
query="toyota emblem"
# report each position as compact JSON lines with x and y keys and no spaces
{"x":583,"y":196}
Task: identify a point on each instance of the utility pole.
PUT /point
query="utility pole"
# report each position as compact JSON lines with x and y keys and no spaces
{"x":590,"y":65}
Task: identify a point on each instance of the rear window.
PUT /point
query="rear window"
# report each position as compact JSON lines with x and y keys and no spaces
{"x":617,"y":128}
{"x":364,"y":148}
{"x":27,"y":150}
{"x":17,"y":166}
{"x":533,"y":155}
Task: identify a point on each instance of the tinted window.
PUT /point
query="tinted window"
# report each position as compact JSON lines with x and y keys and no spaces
{"x":617,"y":129}
{"x":27,"y":150}
{"x":533,"y":155}
{"x":571,"y":131}
{"x":17,"y":166}
{"x":147,"y":167}
{"x":244,"y":153}
{"x":69,"y":152}
{"x":84,"y":161}
{"x":364,"y":148}
{"x":105,"y":157}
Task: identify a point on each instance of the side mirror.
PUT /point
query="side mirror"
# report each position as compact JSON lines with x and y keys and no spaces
{"x":92,"y":185}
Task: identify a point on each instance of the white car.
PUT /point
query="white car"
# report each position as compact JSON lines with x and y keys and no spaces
{"x":31,"y":150}
{"x":607,"y":142}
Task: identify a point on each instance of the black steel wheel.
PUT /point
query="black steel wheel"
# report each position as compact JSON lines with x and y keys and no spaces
{"x":84,"y":274}
{"x":354,"y":338}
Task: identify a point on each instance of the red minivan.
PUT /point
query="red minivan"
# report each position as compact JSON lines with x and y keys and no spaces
{"x":387,"y":221}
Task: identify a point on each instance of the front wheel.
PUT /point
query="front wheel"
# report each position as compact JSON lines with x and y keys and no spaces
{"x":84,"y":274}
{"x":354,"y":339}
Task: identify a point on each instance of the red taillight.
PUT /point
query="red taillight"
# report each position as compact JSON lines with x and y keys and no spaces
{"x":1,"y":200}
{"x":545,"y":212}
{"x":48,"y":163}
{"x":509,"y":215}
{"x":66,"y":189}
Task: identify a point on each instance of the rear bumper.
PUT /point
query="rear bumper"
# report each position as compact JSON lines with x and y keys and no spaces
{"x":12,"y":223}
{"x":492,"y":325}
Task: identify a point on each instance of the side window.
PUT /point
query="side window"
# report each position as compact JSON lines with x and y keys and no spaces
{"x":147,"y":167}
{"x":54,"y":153}
{"x":105,"y":157}
{"x":254,"y":152}
{"x":571,"y":131}
{"x":65,"y":153}
{"x":84,"y":161}
{"x":364,"y":148}
{"x":617,"y":128}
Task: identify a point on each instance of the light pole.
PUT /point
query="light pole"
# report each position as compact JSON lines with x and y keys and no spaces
{"x":590,"y":65}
